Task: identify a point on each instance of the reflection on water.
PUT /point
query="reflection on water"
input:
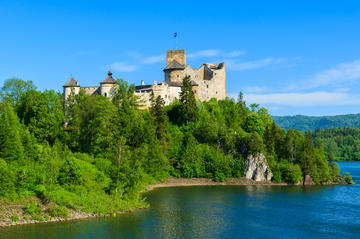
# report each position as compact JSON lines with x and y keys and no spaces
{"x":224,"y":212}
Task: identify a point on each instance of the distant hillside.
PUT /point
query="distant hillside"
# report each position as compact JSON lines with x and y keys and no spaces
{"x":306,"y":123}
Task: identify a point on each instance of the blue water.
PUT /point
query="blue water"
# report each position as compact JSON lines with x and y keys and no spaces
{"x":225,"y":212}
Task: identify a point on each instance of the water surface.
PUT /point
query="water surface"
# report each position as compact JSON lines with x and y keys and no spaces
{"x":224,"y":212}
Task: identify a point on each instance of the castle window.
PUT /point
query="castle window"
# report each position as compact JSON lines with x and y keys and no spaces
{"x":216,"y":92}
{"x":165,"y":96}
{"x":105,"y":94}
{"x":207,"y":86}
{"x":178,"y":76}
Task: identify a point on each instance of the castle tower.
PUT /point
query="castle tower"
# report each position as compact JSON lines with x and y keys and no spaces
{"x":175,"y":65}
{"x":70,"y":85}
{"x":108,"y":85}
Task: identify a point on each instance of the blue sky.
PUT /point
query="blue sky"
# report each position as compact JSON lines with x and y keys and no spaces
{"x":293,"y":57}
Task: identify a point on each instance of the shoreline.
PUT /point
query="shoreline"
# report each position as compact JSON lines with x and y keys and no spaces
{"x":5,"y":221}
{"x":185,"y":182}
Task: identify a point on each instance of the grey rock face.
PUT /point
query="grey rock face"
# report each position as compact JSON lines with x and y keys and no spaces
{"x":257,"y":168}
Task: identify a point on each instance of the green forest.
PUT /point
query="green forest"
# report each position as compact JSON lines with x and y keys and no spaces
{"x":310,"y":123}
{"x":340,"y":144}
{"x":96,"y":154}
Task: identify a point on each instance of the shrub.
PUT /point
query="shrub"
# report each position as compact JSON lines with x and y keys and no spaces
{"x":32,"y":209}
{"x":291,"y":173}
{"x":57,"y":211}
{"x":70,"y":173}
{"x":39,"y":190}
{"x":37,"y":218}
{"x":15,"y":218}
{"x":348,"y":178}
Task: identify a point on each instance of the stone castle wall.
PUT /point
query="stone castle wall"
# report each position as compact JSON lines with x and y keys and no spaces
{"x":209,"y":81}
{"x":177,"y":55}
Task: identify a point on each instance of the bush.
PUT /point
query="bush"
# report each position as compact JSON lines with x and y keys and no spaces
{"x":291,"y":173}
{"x":70,"y":173}
{"x":57,"y":211}
{"x":348,"y":178}
{"x":37,"y":218}
{"x":15,"y":218}
{"x":32,"y":209}
{"x":285,"y":171}
{"x":40,"y":190}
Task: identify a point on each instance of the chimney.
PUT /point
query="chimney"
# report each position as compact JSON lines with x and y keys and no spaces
{"x":142,"y":82}
{"x":155,"y":83}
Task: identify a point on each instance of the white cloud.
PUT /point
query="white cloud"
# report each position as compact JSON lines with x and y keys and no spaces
{"x":153,"y":59}
{"x":123,"y":67}
{"x":319,"y":98}
{"x":255,"y":89}
{"x":146,"y":60}
{"x":203,"y":53}
{"x":239,"y":66}
{"x":346,"y":72}
{"x":234,"y":54}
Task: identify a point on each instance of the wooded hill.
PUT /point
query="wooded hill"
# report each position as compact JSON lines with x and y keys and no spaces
{"x":99,"y":153}
{"x":310,"y":123}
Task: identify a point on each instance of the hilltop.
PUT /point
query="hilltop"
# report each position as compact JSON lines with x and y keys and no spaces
{"x":309,"y":123}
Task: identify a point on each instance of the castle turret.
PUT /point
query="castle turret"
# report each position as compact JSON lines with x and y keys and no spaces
{"x":107,"y":85}
{"x":70,"y":85}
{"x":175,"y":65}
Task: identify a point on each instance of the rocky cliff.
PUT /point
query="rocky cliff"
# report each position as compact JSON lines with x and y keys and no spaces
{"x":257,"y":168}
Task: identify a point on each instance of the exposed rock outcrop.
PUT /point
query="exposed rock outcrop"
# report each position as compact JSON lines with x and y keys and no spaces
{"x":308,"y":180}
{"x":257,"y":168}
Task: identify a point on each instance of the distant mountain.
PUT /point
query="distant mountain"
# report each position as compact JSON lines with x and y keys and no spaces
{"x":306,"y":123}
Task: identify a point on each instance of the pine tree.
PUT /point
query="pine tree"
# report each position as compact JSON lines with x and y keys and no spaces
{"x":159,"y":115}
{"x":11,"y":147}
{"x":188,"y":101}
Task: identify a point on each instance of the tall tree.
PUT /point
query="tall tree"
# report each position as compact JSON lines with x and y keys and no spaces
{"x":159,"y":115}
{"x":188,"y":101}
{"x":15,"y":88}
{"x":11,"y":147}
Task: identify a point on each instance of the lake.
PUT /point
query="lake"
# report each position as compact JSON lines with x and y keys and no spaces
{"x":224,"y":212}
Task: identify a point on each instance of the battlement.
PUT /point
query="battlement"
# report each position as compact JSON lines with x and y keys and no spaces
{"x":176,"y":55}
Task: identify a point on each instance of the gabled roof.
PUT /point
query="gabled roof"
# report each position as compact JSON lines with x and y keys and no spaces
{"x":109,"y":79}
{"x":174,"y":65}
{"x":70,"y":82}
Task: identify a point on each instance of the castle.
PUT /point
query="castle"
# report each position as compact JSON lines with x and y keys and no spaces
{"x":209,"y":81}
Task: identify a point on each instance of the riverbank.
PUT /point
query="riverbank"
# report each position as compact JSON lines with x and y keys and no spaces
{"x":9,"y":211}
{"x":183,"y":182}
{"x":13,"y":214}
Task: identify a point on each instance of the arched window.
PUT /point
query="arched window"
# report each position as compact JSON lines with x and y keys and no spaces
{"x":105,"y":94}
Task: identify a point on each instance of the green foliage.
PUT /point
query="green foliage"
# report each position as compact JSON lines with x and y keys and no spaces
{"x":158,"y":113}
{"x":15,"y":88}
{"x":37,"y":218}
{"x":188,"y":106}
{"x":310,"y":123}
{"x":7,"y":179}
{"x":254,"y":124}
{"x":32,"y":208}
{"x":348,"y":178}
{"x":286,"y":171}
{"x":56,"y":211}
{"x":339,"y":144}
{"x":97,"y":154}
{"x":70,"y":173}
{"x":10,"y":134}
{"x":14,"y":217}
